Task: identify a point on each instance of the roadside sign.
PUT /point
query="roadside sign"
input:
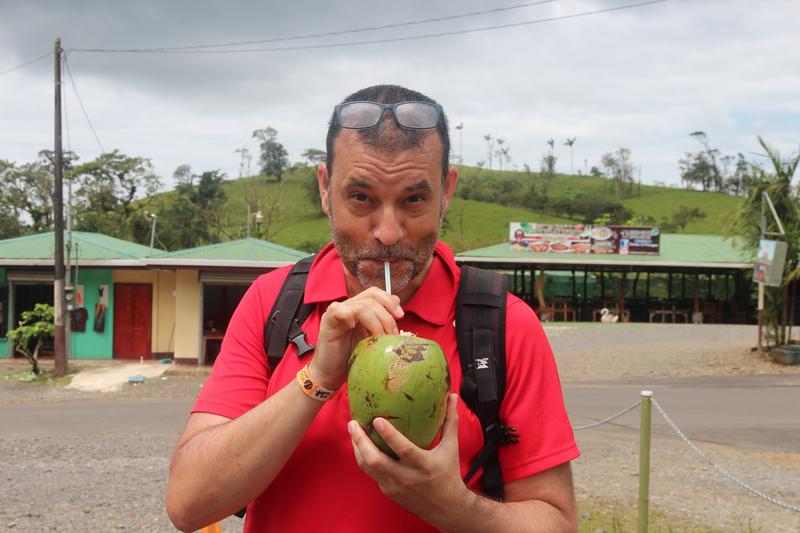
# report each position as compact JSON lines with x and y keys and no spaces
{"x":768,"y":267}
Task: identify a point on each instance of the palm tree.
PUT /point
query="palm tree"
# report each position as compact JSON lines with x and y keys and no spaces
{"x":460,"y":128}
{"x":569,"y":143}
{"x":499,"y":152}
{"x":777,"y":183}
{"x":489,"y":144}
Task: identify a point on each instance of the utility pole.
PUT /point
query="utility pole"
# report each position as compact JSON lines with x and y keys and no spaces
{"x":58,"y":216}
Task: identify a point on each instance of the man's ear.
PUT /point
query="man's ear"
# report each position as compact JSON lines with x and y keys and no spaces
{"x":323,"y":182}
{"x":450,"y":182}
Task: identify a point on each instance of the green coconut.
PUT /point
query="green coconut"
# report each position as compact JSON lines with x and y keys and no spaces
{"x":402,"y":378}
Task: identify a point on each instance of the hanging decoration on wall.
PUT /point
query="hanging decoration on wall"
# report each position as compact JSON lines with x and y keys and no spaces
{"x":100,"y":309}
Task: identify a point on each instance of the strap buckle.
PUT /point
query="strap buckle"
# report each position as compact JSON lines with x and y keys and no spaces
{"x":298,"y":338}
{"x":503,"y":434}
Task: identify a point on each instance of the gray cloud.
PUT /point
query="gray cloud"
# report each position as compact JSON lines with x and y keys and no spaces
{"x":642,"y":78}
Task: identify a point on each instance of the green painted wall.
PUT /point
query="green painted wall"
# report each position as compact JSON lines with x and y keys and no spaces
{"x":91,"y":344}
{"x":5,"y":349}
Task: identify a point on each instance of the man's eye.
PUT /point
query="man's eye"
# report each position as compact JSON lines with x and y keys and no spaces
{"x":416,"y":199}
{"x":359,"y":197}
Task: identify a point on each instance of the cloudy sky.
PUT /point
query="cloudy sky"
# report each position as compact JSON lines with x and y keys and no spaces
{"x":641,"y":78}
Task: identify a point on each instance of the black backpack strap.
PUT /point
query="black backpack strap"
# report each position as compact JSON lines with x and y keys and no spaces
{"x":287,"y":316}
{"x":480,"y":329}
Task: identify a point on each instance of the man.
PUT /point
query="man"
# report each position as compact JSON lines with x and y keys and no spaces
{"x":261,"y":438}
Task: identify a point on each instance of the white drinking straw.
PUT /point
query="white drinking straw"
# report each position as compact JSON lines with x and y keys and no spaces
{"x":387,"y":277}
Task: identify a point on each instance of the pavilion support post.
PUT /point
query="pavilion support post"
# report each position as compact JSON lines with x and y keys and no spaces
{"x":669,"y":285}
{"x":585,"y":283}
{"x":602,"y":286}
{"x":683,"y":285}
{"x":622,"y":283}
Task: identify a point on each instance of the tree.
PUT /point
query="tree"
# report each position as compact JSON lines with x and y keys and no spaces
{"x":569,"y":143}
{"x":696,"y":169}
{"x":314,"y":156}
{"x":33,"y":329}
{"x":778,"y":184}
{"x":548,"y":171}
{"x":741,"y":179}
{"x":681,"y":218}
{"x":489,"y":147}
{"x":619,"y":167}
{"x":714,"y":178}
{"x":274,"y":157}
{"x":192,"y":217}
{"x":28,"y":188}
{"x":590,"y":208}
{"x":114,"y":190}
{"x":10,"y":225}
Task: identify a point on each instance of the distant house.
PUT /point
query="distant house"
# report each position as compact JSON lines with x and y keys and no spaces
{"x":130,"y":305}
{"x":208,"y":283}
{"x":108,"y":270}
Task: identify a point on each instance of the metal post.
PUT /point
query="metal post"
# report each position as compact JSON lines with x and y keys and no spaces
{"x":248,"y":220}
{"x":760,"y":317}
{"x":644,"y":463}
{"x":152,"y":232}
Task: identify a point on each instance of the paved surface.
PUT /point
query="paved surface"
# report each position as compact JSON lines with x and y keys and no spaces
{"x":753,"y":412}
{"x":757,"y":412}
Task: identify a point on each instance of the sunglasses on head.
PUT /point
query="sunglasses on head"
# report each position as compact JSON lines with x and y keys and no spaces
{"x":408,"y":115}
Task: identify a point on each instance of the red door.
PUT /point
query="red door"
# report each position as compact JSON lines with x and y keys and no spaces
{"x":132,"y":320}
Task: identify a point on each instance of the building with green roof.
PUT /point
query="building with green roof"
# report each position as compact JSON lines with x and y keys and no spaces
{"x":704,"y":274}
{"x":209,"y":281}
{"x":131,"y":301}
{"x":98,"y":263}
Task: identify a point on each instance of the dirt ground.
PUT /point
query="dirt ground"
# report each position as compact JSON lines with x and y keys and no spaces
{"x":115,"y":482}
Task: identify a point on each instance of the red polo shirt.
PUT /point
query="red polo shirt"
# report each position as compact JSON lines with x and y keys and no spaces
{"x":343,"y":498}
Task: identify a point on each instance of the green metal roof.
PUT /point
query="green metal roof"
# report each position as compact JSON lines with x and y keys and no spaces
{"x":678,"y":250}
{"x":91,"y":247}
{"x":239,"y":251}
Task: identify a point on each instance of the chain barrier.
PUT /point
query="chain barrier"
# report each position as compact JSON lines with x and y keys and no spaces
{"x":609,"y":419}
{"x":704,"y":458}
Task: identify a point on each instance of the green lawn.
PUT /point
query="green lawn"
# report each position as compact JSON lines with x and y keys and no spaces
{"x":292,"y":220}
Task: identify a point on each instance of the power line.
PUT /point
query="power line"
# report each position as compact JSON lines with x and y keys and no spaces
{"x":372,"y":41}
{"x":25,"y":64}
{"x":85,"y":114}
{"x":317,"y":35}
{"x":66,"y":113}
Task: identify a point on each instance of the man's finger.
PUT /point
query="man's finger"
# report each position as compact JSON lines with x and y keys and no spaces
{"x":370,"y":459}
{"x":389,"y":301}
{"x":407,"y":451}
{"x":450,"y":427}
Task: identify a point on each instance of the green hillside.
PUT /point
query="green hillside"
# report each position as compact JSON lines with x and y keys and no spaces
{"x":290,"y":219}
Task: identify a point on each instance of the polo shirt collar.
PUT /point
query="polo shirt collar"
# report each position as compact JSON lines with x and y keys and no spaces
{"x":433,"y":301}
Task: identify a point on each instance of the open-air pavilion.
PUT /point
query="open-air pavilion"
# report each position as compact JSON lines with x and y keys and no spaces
{"x":693,"y":276}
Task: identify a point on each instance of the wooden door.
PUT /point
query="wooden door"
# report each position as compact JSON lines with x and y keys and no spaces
{"x":133,"y":304}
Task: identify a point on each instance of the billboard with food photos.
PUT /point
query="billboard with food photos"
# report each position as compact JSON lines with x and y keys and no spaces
{"x":584,"y":239}
{"x":556,"y":238}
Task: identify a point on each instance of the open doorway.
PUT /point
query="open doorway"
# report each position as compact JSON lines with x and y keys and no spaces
{"x":26,"y":296}
{"x":219,"y":303}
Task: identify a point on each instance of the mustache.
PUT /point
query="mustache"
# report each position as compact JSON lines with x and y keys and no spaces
{"x":388,"y":253}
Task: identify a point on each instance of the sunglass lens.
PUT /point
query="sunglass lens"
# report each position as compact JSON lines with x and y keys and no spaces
{"x":359,"y":115}
{"x":418,"y":115}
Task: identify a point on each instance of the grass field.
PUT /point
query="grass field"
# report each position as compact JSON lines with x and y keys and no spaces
{"x":292,"y":220}
{"x":595,"y":514}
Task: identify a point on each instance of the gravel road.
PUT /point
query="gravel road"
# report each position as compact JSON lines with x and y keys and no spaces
{"x":105,"y":482}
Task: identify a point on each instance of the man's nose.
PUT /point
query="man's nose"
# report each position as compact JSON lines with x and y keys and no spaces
{"x":388,"y":228}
